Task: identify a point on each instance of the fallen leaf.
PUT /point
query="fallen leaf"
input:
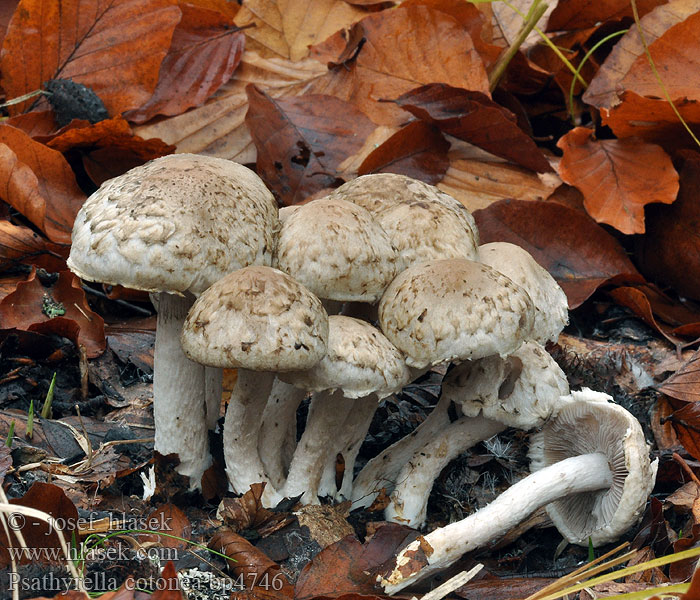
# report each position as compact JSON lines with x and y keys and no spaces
{"x":683,"y":570}
{"x":38,"y":123}
{"x":6,"y":11}
{"x":247,"y":512}
{"x":404,"y":48}
{"x":617,"y":177}
{"x":204,"y":52}
{"x":218,"y":127}
{"x":168,"y":584}
{"x":114,"y":48}
{"x":474,"y":118}
{"x":5,"y":461}
{"x":675,"y":263}
{"x":170,"y":520}
{"x":579,"y":253}
{"x":628,"y":55}
{"x":685,"y":419}
{"x":495,"y":588}
{"x":508,"y":20}
{"x":418,"y":150}
{"x":578,"y":14}
{"x":26,"y":309}
{"x":285,"y":28}
{"x":302,"y":141}
{"x":684,"y":384}
{"x":21,"y":244}
{"x":39,"y":183}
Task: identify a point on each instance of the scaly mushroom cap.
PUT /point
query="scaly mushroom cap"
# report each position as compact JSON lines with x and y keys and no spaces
{"x":522,"y":390}
{"x":587,"y":425}
{"x":423,"y":231}
{"x":551,"y":306}
{"x":360,"y":361}
{"x":337,"y":250}
{"x":256,"y":318}
{"x":454,"y":309}
{"x":175,"y":224}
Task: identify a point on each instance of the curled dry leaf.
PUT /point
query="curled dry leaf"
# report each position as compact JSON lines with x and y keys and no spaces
{"x":39,"y":183}
{"x":617,"y":177}
{"x":684,"y":384}
{"x":685,"y":419}
{"x":247,"y":512}
{"x":115,"y":49}
{"x":204,"y":52}
{"x":302,"y":141}
{"x":575,"y":14}
{"x":21,"y":244}
{"x":508,"y":22}
{"x":404,"y":48}
{"x":627,"y":67}
{"x":578,"y":252}
{"x":418,"y":150}
{"x":474,"y":118}
{"x":29,"y":308}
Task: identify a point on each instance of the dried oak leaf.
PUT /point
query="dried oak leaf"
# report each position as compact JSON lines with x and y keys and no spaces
{"x":39,"y":183}
{"x":670,"y":250}
{"x":578,"y":252}
{"x":115,"y":48}
{"x":404,"y":48}
{"x":302,"y":141}
{"x":205,"y":50}
{"x":38,"y":534}
{"x":667,"y":29}
{"x":579,"y":14}
{"x":29,"y":308}
{"x":617,"y":177}
{"x":418,"y":150}
{"x":285,"y":29}
{"x":474,"y":118}
{"x":256,"y":570}
{"x":218,"y":127}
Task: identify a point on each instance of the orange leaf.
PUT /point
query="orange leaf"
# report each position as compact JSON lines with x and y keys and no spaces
{"x":578,"y":253}
{"x":168,"y":584}
{"x":115,"y":48}
{"x":684,"y":384}
{"x":20,"y":244}
{"x":575,"y":14}
{"x":204,"y":52}
{"x":617,"y":177}
{"x":39,"y":183}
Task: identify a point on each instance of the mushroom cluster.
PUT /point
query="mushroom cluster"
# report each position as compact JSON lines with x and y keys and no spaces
{"x":397,"y":265}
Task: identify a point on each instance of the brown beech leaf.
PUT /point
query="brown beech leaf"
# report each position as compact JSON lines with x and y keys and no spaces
{"x":617,"y":177}
{"x":474,"y":118}
{"x":38,"y":123}
{"x":418,"y":150}
{"x":684,"y":384}
{"x":168,"y":584}
{"x":26,"y":308}
{"x":7,"y":9}
{"x":168,"y":519}
{"x":115,"y":48}
{"x":302,"y":141}
{"x":39,"y":183}
{"x":627,"y":67}
{"x":204,"y":52}
{"x":685,"y":419}
{"x":669,"y":252}
{"x":404,"y":48}
{"x":21,"y":244}
{"x":256,"y":570}
{"x":508,"y":22}
{"x":579,"y":14}
{"x":37,"y":534}
{"x":578,"y":252}
{"x":218,"y":127}
{"x":654,"y":120}
{"x":286,"y":28}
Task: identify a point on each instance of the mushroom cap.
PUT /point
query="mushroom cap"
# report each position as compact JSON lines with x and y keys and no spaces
{"x":360,"y":361}
{"x":256,"y":318}
{"x":585,"y":426}
{"x":422,"y":231}
{"x":175,"y":224}
{"x":522,"y":390}
{"x":551,"y":305}
{"x":337,"y":250}
{"x":454,"y":309}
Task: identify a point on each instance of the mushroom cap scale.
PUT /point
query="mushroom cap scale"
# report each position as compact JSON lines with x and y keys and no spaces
{"x":175,"y":224}
{"x":256,"y":318}
{"x":586,"y":426}
{"x":454,"y":309}
{"x":360,"y":361}
{"x":337,"y":250}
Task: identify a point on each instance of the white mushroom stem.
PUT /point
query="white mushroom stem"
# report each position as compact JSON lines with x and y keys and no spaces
{"x":242,"y":432}
{"x":214,"y":386}
{"x":178,"y":393}
{"x":382,"y":470}
{"x":327,"y":414}
{"x":585,"y":473}
{"x":409,"y":500}
{"x":278,"y":426}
